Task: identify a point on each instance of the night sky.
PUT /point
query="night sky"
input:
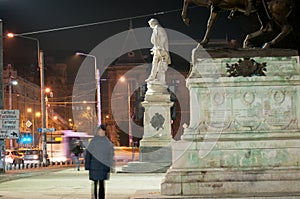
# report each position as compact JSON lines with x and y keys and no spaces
{"x":27,"y":16}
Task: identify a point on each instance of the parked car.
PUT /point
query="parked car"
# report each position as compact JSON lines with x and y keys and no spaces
{"x":1,"y":159}
{"x":34,"y":156}
{"x":22,"y":150}
{"x":13,"y":157}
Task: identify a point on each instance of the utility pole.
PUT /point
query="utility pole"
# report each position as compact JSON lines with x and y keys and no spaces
{"x":2,"y":139}
{"x":11,"y":142}
{"x":43,"y":106}
{"x":130,"y":140}
{"x":1,"y":67}
{"x":98,"y":87}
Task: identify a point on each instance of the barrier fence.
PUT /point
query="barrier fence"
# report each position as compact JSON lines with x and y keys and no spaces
{"x":38,"y":165}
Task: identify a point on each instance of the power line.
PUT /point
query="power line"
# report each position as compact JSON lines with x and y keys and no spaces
{"x":100,"y":22}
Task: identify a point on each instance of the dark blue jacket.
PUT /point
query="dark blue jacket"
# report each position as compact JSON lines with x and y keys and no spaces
{"x":99,"y":158}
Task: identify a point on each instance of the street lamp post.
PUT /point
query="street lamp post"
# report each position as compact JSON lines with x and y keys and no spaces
{"x":129,"y":116}
{"x":12,"y":35}
{"x":42,"y":84}
{"x":130,"y":136}
{"x":97,"y":78}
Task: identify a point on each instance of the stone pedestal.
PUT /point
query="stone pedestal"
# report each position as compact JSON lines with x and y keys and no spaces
{"x":155,"y":154}
{"x":243,"y":139}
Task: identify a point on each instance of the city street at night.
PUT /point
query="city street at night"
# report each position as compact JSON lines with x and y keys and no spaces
{"x":173,"y":99}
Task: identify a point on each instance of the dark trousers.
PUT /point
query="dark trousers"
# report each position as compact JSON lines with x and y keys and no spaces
{"x":101,"y":191}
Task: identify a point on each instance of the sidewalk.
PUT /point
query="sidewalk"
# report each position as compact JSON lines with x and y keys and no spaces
{"x":66,"y":182}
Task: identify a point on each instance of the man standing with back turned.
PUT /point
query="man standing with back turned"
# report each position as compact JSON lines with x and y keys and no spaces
{"x":99,"y":160}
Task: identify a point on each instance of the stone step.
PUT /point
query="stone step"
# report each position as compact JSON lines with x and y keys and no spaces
{"x":145,"y":167}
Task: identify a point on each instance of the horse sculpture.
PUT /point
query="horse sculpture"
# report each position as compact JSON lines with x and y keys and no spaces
{"x":268,"y":12}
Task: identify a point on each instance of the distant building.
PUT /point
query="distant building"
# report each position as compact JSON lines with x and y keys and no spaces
{"x":25,"y":97}
{"x":60,"y":95}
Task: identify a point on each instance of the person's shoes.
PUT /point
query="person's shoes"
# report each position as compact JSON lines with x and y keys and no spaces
{"x":78,"y":169}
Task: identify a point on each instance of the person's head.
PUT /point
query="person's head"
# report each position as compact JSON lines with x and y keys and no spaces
{"x":101,"y":130}
{"x":153,"y":22}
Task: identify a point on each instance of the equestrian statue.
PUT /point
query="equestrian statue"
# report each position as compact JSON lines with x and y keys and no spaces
{"x":269,"y":12}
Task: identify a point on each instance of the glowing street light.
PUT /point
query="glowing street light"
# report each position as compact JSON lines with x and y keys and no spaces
{"x":40,"y":63}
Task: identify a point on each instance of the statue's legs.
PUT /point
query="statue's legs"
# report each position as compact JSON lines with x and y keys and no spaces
{"x":154,"y":70}
{"x":157,"y":72}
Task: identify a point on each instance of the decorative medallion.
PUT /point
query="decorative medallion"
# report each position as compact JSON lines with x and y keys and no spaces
{"x":249,"y":97}
{"x":246,"y":68}
{"x":279,"y":97}
{"x":157,"y":121}
{"x":219,"y":98}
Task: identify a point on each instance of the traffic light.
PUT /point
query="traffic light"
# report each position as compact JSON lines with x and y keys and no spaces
{"x":26,"y":138}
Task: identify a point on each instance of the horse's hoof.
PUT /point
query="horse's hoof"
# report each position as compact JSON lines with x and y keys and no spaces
{"x":247,"y":44}
{"x":266,"y":45}
{"x":203,"y":42}
{"x":187,"y":21}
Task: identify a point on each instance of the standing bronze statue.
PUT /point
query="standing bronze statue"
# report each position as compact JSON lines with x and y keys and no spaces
{"x":268,"y":12}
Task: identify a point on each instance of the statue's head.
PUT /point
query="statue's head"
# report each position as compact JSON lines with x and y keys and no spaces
{"x":153,"y":22}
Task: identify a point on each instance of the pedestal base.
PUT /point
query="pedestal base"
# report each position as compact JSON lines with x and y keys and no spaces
{"x":241,"y":183}
{"x":155,"y":153}
{"x":152,"y":159}
{"x":243,"y":139}
{"x":155,"y":194}
{"x":248,"y":164}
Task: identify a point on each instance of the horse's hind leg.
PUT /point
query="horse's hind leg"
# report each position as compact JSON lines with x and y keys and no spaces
{"x":247,"y":43}
{"x":210,"y":23}
{"x":185,"y":19}
{"x":264,"y":29}
{"x":285,"y":30}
